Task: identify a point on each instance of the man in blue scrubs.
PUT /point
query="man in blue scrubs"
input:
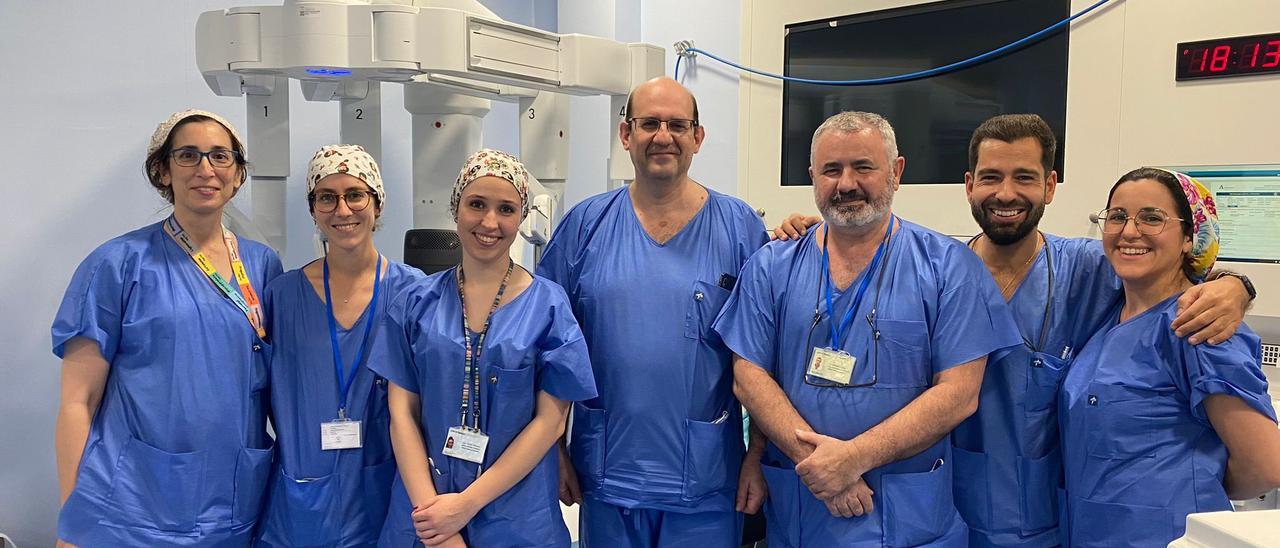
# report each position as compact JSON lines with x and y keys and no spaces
{"x":658,"y":455}
{"x":859,"y":348}
{"x":1008,"y":464}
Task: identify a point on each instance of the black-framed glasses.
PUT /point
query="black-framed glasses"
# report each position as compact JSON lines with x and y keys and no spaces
{"x":858,"y":378}
{"x":1148,"y":220}
{"x":675,"y":126}
{"x":326,"y":202}
{"x":218,"y":157}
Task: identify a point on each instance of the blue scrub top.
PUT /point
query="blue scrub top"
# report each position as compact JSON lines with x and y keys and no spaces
{"x":666,"y":431}
{"x":534,"y":345}
{"x":1008,"y":463}
{"x":336,"y":497}
{"x":1138,"y":449}
{"x":937,"y":308}
{"x":178,"y":451}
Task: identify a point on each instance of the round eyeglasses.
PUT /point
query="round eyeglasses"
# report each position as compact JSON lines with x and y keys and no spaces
{"x":218,"y":157}
{"x":326,"y":202}
{"x":1148,"y":220}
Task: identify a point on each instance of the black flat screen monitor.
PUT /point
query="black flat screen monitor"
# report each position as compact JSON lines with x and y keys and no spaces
{"x":933,"y":117}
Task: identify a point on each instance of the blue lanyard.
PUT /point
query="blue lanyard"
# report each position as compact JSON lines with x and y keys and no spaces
{"x":344,"y":382}
{"x":838,"y":328}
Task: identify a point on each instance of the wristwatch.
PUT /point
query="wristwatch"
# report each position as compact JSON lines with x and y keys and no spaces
{"x":1248,"y":285}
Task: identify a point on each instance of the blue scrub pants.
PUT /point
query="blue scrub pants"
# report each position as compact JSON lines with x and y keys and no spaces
{"x":604,"y":525}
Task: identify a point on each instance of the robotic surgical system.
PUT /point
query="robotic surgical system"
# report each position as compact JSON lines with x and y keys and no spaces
{"x":453,"y":56}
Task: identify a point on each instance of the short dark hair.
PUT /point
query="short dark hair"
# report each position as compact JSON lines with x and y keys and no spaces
{"x":1012,"y":127}
{"x":1174,"y":187}
{"x":626,"y":113}
{"x":157,"y":163}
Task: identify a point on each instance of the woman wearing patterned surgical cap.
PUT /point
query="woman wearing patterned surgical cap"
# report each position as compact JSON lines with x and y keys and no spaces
{"x":161,"y":435}
{"x":334,"y":470}
{"x":489,"y":358}
{"x":1154,"y":428}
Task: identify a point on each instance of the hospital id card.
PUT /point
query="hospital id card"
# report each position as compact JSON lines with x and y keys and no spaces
{"x":339,"y":434}
{"x":466,"y":443}
{"x":833,"y":365}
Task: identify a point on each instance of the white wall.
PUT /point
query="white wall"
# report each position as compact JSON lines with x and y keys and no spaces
{"x":87,"y":82}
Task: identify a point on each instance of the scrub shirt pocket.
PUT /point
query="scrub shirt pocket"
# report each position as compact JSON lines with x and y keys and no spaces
{"x":511,"y":401}
{"x":712,"y":455}
{"x":299,"y":508}
{"x":917,"y":506}
{"x":1044,"y":376}
{"x":1039,"y":479}
{"x":1117,"y":421}
{"x":590,"y":440}
{"x":252,"y":468}
{"x":1142,"y":525}
{"x":156,"y":489}
{"x":975,"y":489}
{"x":901,"y":358}
{"x":782,"y":508}
{"x":705,"y":302}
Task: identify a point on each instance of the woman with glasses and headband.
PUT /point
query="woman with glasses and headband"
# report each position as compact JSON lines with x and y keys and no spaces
{"x":334,"y":471}
{"x":161,"y":434}
{"x":1153,"y":427}
{"x":489,"y":358}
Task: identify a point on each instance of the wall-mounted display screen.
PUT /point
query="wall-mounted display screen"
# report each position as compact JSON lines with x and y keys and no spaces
{"x":934,"y":117}
{"x":1236,"y":56}
{"x":1248,"y":199}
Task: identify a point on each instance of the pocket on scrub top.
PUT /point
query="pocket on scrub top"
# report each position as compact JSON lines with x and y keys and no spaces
{"x":710,"y":456}
{"x":157,"y":489}
{"x":782,"y":506}
{"x":1136,"y":525}
{"x":1039,"y":479}
{"x":590,"y":440}
{"x":705,"y":302}
{"x":917,"y":506}
{"x":901,"y":358}
{"x":300,"y":511}
{"x":252,"y":468}
{"x":511,"y":398}
{"x":1044,"y":376}
{"x":1117,"y":421}
{"x":973,"y":488}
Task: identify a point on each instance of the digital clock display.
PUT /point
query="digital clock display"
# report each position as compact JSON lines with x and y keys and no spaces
{"x":1238,"y":56}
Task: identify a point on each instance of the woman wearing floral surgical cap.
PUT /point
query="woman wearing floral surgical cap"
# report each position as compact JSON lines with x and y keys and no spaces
{"x":334,"y":468}
{"x":1154,"y":428}
{"x":489,"y":358}
{"x":162,"y":431}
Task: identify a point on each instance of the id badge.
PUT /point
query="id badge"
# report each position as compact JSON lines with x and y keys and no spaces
{"x":466,"y":444}
{"x":339,"y":434}
{"x":833,"y":365}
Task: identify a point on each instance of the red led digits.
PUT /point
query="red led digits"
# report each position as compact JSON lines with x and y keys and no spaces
{"x":1273,"y":53}
{"x":1221,"y":55}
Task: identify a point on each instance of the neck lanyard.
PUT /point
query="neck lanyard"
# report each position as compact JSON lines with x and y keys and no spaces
{"x":837,"y":328}
{"x":345,"y":381}
{"x":248,"y":303}
{"x":471,"y":363}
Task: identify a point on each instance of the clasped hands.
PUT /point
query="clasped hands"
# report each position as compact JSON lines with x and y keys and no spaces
{"x":440,"y":519}
{"x":831,"y":473}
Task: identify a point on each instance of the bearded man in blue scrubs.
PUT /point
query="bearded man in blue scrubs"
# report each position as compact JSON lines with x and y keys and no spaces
{"x":1008,"y":463}
{"x":657,"y":459}
{"x":859,"y":347}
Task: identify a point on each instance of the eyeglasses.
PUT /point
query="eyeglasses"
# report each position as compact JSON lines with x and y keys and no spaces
{"x":675,"y":126}
{"x":218,"y":157}
{"x":1149,"y":220}
{"x":859,"y":378}
{"x":326,"y":202}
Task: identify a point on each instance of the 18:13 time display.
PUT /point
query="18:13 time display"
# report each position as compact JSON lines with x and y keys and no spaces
{"x":1236,"y":56}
